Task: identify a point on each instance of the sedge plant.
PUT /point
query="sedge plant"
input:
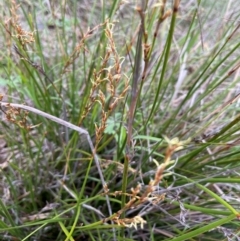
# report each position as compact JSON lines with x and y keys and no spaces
{"x":119,"y":120}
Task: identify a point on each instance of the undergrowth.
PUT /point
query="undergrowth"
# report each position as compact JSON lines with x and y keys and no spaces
{"x":119,"y":120}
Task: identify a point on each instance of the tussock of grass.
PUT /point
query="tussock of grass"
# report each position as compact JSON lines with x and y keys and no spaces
{"x":120,"y":120}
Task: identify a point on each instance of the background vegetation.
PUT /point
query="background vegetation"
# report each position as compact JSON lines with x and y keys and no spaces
{"x":120,"y":120}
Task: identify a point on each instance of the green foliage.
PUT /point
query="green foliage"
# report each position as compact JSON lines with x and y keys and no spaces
{"x":133,"y":134}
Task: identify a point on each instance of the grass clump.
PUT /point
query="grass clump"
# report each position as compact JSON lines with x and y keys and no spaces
{"x":119,"y":121}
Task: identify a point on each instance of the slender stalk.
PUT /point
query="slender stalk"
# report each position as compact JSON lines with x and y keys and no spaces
{"x":80,"y":130}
